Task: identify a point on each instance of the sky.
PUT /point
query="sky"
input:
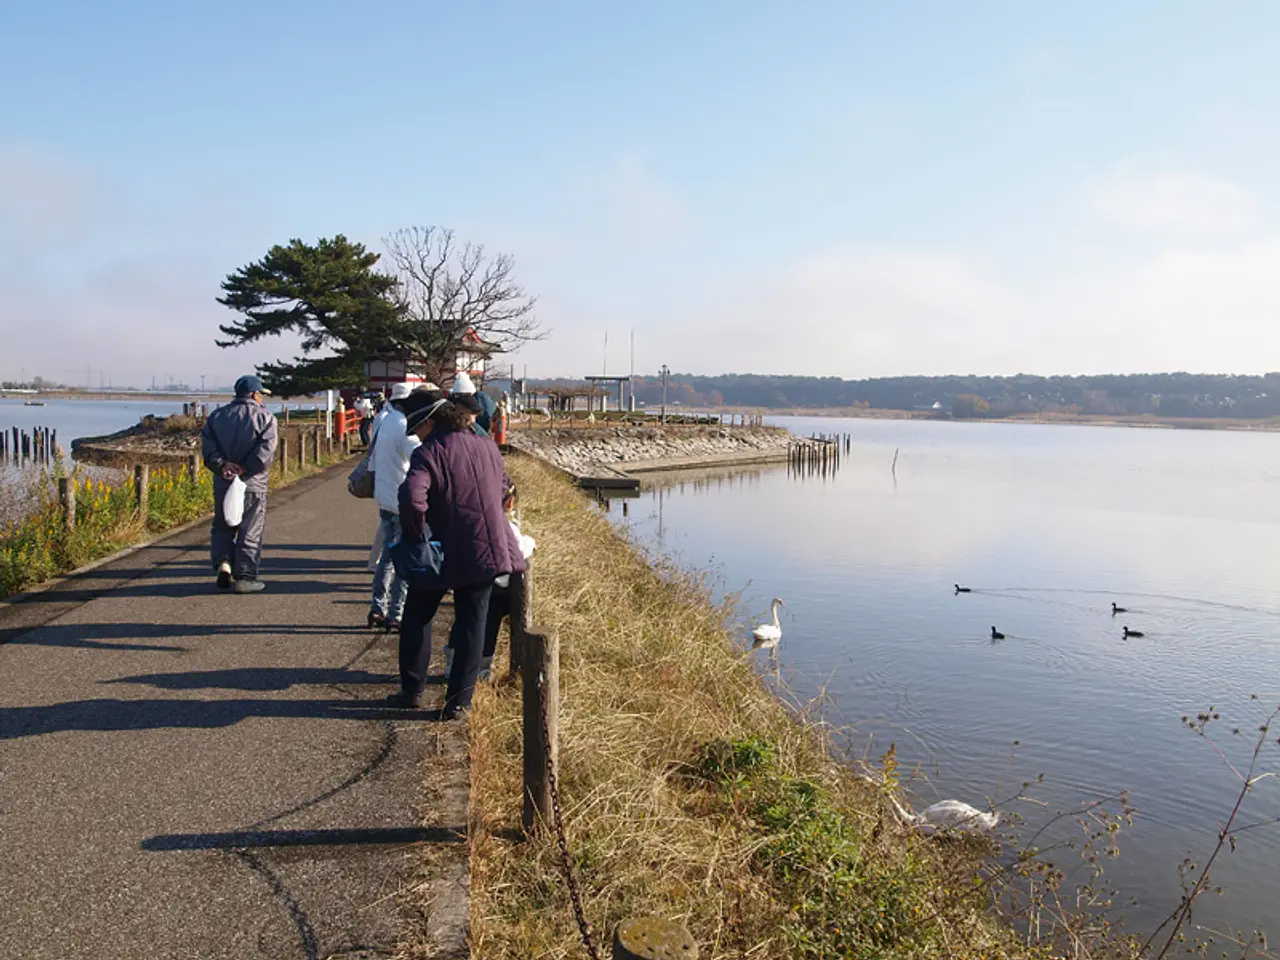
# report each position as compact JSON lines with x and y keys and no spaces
{"x":831,"y":188}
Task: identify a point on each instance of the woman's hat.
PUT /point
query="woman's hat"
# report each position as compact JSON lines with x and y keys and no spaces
{"x":419,"y":406}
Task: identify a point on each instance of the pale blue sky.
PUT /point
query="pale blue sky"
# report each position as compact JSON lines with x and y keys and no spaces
{"x":835,"y":188}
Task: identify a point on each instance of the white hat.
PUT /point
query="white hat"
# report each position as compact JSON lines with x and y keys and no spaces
{"x":462,"y":384}
{"x":400,"y":390}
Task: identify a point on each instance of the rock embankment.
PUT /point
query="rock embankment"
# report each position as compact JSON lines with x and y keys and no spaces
{"x":580,"y":452}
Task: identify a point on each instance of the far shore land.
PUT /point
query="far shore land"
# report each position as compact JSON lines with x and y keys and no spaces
{"x":1150,"y":421}
{"x":1269,"y":424}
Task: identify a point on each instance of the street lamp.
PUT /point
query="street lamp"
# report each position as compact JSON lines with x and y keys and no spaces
{"x":665,"y":373}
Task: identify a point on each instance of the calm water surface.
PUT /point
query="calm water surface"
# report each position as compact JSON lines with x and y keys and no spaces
{"x":81,"y":418}
{"x":1048,"y":525}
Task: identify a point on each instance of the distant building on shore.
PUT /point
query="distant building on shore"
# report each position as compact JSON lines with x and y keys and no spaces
{"x":381,"y":373}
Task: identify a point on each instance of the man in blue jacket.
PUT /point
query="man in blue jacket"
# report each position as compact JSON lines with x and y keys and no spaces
{"x":239,"y":440}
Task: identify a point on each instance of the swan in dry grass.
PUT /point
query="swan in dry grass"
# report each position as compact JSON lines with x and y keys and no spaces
{"x":767,"y":635}
{"x":947,"y":816}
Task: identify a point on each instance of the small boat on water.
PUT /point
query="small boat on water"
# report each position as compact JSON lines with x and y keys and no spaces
{"x":34,"y":403}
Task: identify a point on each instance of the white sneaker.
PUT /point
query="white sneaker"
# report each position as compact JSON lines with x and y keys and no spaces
{"x":224,"y":575}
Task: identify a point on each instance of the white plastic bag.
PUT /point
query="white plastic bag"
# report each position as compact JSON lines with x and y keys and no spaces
{"x":233,"y":503}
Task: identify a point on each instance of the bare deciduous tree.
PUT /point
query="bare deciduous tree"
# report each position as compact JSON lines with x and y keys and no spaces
{"x":451,"y":292}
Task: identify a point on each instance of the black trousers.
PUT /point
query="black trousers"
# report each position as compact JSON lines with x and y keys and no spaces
{"x":470,"y":609}
{"x":499,"y":609}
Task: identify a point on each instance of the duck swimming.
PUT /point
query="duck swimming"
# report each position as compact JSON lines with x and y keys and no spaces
{"x":1132,"y":633}
{"x":1115,"y":609}
{"x":960,"y":589}
{"x":997,"y":635}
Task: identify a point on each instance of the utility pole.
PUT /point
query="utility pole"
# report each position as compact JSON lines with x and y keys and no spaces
{"x":665,"y":372}
{"x":631,"y":377}
{"x":202,"y":383}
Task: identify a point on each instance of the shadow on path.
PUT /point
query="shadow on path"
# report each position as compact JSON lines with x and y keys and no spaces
{"x":255,"y":678}
{"x":119,"y":715}
{"x":360,"y":836}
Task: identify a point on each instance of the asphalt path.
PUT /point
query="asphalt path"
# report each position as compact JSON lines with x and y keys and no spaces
{"x":187,"y":773}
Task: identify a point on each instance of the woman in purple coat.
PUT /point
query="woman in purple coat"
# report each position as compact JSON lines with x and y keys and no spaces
{"x":453,"y":494}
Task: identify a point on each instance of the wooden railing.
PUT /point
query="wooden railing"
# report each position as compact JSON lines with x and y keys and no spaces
{"x":535,"y":656}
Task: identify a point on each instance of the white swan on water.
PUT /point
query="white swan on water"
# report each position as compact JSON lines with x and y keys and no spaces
{"x":767,"y":635}
{"x":948,"y":816}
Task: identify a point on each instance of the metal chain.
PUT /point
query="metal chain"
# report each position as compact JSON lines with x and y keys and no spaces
{"x":566,"y":865}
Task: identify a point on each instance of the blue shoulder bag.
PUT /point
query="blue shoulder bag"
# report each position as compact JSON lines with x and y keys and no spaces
{"x":420,"y":565}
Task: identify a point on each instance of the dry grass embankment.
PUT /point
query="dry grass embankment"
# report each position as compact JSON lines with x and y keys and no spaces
{"x":689,"y":791}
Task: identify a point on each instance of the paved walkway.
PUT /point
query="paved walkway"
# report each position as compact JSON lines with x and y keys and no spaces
{"x":186,"y":773}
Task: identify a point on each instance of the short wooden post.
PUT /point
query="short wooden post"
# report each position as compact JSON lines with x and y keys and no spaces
{"x":286,"y":413}
{"x":67,"y":498}
{"x":302,"y":451}
{"x":315,"y":446}
{"x":652,"y":938}
{"x":194,"y":463}
{"x":541,"y":724}
{"x":141,"y":479}
{"x":521,"y":620}
{"x":284,"y":455}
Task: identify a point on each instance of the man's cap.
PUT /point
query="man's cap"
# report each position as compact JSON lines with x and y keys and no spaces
{"x":250,"y":384}
{"x":400,"y":390}
{"x":468,"y":401}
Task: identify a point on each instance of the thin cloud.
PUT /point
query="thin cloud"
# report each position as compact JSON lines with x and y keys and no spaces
{"x":638,"y":200}
{"x":46,"y":197}
{"x":1174,"y":205}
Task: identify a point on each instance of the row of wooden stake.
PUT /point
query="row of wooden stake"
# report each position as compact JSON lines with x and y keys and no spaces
{"x":535,"y":658}
{"x":40,"y":446}
{"x":194,"y":464}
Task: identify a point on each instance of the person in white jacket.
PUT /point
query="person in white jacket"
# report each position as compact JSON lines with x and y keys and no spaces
{"x":392,"y":448}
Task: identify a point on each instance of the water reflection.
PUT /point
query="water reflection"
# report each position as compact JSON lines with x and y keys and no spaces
{"x":1048,"y":525}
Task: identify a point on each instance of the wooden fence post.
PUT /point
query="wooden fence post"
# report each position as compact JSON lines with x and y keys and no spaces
{"x":193,"y":467}
{"x":302,"y":451}
{"x":141,"y":480}
{"x":67,"y":497}
{"x":541,"y":724}
{"x":315,"y":445}
{"x":651,"y":938}
{"x":521,"y":619}
{"x":284,"y":456}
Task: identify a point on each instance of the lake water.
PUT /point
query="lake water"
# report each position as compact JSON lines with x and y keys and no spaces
{"x":80,"y":418}
{"x":1048,"y":525}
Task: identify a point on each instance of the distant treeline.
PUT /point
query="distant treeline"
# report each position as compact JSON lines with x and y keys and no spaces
{"x":1164,"y":394}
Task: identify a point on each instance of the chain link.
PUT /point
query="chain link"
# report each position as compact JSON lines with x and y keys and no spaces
{"x":557,"y":821}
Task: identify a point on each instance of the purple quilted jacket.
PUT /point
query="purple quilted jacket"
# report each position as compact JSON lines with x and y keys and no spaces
{"x":455,"y":486}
